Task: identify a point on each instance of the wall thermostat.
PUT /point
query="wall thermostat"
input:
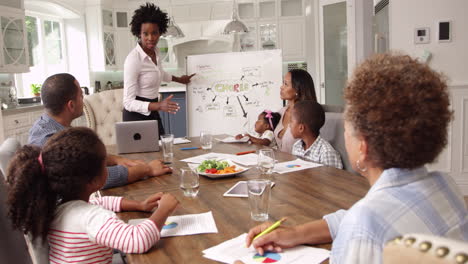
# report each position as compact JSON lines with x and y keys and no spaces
{"x":445,"y":31}
{"x":421,"y":35}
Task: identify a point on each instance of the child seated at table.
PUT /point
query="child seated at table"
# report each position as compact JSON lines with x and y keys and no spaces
{"x":49,"y":199}
{"x":264,"y":127}
{"x":307,"y":117}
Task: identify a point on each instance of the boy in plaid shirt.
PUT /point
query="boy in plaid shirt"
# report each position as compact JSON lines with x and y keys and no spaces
{"x":307,"y":118}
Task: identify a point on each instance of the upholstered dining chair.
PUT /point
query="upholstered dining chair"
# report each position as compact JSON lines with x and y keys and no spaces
{"x":424,"y":248}
{"x":7,"y":150}
{"x":102,"y":111}
{"x":333,"y":132}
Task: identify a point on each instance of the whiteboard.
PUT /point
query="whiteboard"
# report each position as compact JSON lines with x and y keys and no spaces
{"x":230,"y":90}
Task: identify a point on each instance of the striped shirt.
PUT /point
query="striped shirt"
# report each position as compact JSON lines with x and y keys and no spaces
{"x":88,"y":232}
{"x":320,"y":151}
{"x":400,"y":202}
{"x":46,"y":126}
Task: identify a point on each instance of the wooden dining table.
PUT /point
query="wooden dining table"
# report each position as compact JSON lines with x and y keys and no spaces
{"x":300,"y":196}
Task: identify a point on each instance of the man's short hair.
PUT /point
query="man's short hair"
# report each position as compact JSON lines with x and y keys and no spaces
{"x":57,"y":90}
{"x":311,"y":114}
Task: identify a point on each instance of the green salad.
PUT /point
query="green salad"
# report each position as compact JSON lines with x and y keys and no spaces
{"x":212,"y":164}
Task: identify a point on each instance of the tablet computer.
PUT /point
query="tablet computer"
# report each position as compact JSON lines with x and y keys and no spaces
{"x":239,"y":190}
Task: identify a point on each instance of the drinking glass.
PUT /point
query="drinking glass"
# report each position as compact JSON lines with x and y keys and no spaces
{"x":266,"y":161}
{"x":259,"y":198}
{"x":206,"y":140}
{"x":167,"y":142}
{"x":189,"y":182}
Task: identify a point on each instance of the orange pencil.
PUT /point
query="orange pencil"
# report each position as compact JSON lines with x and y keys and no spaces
{"x":246,"y":152}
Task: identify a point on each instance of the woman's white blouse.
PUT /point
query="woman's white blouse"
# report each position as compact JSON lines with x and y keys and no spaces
{"x":142,"y":78}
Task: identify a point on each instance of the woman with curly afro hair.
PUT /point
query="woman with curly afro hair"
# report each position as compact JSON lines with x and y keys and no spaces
{"x":396,"y":119}
{"x":143,"y":72}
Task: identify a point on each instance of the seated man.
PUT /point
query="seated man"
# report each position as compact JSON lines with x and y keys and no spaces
{"x":63,"y":101}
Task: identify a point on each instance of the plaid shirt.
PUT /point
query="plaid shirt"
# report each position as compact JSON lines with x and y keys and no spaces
{"x":320,"y":151}
{"x":46,"y":126}
{"x":400,"y":202}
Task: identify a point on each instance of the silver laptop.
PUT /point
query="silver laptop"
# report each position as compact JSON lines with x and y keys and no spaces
{"x":137,"y":136}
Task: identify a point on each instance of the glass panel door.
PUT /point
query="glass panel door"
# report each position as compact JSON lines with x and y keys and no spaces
{"x":333,"y":51}
{"x":13,"y":40}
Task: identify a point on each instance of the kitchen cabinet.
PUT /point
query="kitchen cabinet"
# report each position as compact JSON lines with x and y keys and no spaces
{"x":14,"y":54}
{"x":292,"y":38}
{"x":101,"y":38}
{"x":18,"y":121}
{"x":175,"y":123}
{"x":191,"y":12}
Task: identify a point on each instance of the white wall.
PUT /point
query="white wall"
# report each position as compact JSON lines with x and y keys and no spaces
{"x":450,"y":58}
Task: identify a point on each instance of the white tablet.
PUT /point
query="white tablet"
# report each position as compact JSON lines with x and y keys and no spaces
{"x":240,"y":190}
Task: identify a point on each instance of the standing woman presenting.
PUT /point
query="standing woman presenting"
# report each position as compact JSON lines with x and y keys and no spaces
{"x":143,"y":72}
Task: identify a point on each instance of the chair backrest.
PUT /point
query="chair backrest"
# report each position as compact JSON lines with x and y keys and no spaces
{"x":7,"y":150}
{"x":423,"y":248}
{"x":333,"y":132}
{"x":102,"y":111}
{"x":333,"y":108}
{"x":13,"y":247}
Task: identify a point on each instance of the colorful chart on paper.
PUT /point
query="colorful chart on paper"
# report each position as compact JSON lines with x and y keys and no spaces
{"x":293,"y":166}
{"x":169,"y":225}
{"x":268,"y":257}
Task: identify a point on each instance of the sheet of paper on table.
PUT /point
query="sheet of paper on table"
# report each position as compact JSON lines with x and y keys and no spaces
{"x":232,"y":139}
{"x":183,"y":225}
{"x":207,"y":156}
{"x":234,"y":249}
{"x":294,"y":165}
{"x":178,"y":141}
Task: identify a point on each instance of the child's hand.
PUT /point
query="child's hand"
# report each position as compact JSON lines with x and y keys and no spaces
{"x":157,"y":168}
{"x":239,"y":136}
{"x":168,"y":203}
{"x":151,"y":202}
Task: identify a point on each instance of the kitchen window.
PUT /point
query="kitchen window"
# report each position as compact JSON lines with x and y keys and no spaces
{"x":46,"y":51}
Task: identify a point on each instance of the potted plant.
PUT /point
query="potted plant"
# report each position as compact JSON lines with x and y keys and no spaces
{"x":36,"y":89}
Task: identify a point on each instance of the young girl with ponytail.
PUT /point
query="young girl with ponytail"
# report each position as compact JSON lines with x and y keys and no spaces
{"x":49,"y":199}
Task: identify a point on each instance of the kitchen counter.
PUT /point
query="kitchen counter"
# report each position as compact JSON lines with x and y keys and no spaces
{"x":172,"y":88}
{"x":22,"y":108}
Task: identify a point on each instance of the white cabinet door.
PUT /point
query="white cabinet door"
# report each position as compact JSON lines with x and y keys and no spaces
{"x":221,"y":11}
{"x":192,"y":12}
{"x":14,"y":52}
{"x":292,"y":39}
{"x":124,"y":43}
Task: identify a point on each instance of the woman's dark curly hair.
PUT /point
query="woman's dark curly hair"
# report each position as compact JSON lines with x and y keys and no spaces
{"x":71,"y":158}
{"x":303,"y":83}
{"x":149,"y":13}
{"x":401,"y":108}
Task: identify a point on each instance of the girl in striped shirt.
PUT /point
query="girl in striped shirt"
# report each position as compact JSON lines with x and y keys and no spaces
{"x":49,"y":198}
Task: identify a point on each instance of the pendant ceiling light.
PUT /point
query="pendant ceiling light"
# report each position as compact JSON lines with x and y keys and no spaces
{"x":173,"y":31}
{"x":235,"y":26}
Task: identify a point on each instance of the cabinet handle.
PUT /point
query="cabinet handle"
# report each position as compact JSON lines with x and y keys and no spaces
{"x":16,"y":121}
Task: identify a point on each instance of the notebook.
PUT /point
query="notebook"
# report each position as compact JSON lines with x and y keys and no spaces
{"x":137,"y":136}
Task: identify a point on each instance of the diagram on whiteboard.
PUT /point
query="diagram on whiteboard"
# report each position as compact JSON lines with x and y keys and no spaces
{"x":232,"y":89}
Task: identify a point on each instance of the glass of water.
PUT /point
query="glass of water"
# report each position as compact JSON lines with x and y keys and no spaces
{"x":189,"y":182}
{"x":259,"y":198}
{"x":206,"y":139}
{"x":266,"y":161}
{"x":167,"y":142}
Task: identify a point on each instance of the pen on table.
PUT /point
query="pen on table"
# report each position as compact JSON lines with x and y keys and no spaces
{"x":270,"y":228}
{"x":246,"y":152}
{"x":190,"y":148}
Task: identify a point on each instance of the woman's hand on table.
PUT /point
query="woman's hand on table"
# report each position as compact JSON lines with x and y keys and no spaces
{"x":158,"y":168}
{"x":277,"y":240}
